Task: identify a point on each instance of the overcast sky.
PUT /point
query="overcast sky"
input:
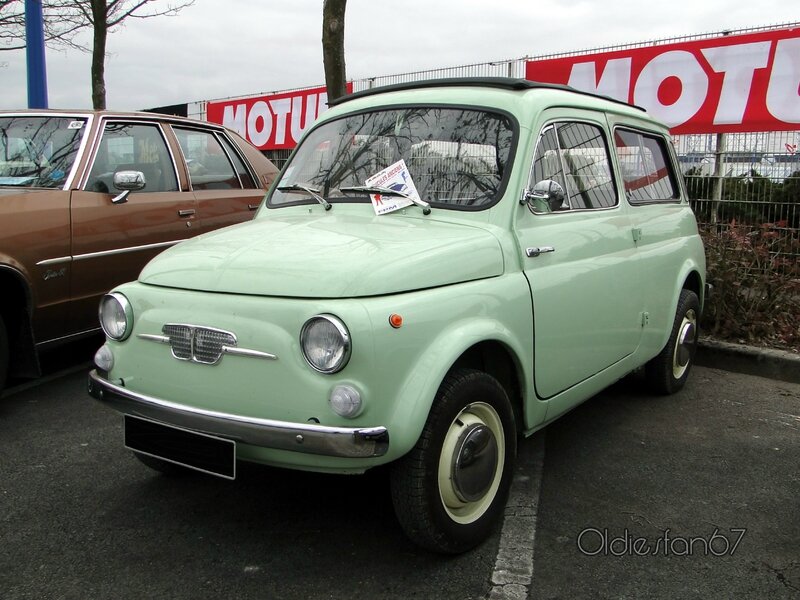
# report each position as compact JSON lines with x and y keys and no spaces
{"x":222,"y":48}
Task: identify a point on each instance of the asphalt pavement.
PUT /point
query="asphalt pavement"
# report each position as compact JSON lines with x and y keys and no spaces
{"x":629,"y":496}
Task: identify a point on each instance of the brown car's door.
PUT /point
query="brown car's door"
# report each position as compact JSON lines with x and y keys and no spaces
{"x":112,"y":242}
{"x":226,"y":190}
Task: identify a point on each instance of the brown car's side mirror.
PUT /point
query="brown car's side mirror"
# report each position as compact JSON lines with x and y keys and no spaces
{"x":127,"y":181}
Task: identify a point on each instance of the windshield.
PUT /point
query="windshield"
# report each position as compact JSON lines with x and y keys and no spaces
{"x":38,"y":151}
{"x":457,"y":158}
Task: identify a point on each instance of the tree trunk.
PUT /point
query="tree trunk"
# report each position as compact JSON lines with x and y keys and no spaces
{"x":333,"y":47}
{"x":100,"y":29}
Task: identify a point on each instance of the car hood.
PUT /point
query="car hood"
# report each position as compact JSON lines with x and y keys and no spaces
{"x":329,"y":256}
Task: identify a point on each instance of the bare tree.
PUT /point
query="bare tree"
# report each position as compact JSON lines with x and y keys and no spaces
{"x":63,"y":19}
{"x":333,"y":47}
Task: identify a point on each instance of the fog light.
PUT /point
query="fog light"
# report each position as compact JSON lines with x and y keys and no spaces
{"x":104,"y":358}
{"x":345,"y":401}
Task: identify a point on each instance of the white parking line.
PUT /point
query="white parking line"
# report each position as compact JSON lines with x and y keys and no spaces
{"x":513,"y":569}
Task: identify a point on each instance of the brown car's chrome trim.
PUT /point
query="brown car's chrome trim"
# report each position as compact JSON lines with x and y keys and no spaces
{"x":307,"y":438}
{"x":54,"y":261}
{"x":63,"y":259}
{"x":124,"y":250}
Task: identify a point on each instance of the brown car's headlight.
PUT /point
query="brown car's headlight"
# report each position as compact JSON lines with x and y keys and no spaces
{"x":326,"y":343}
{"x":116,"y":316}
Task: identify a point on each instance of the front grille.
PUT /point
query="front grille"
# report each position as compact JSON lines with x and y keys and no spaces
{"x":198,"y":344}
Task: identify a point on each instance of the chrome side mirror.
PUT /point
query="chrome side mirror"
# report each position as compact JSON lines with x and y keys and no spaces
{"x":128,"y":181}
{"x":549,"y":193}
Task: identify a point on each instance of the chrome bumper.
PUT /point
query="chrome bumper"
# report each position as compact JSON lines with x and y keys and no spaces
{"x":307,"y":438}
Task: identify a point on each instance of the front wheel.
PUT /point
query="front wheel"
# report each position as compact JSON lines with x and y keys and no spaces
{"x":450,"y":491}
{"x":667,"y":373}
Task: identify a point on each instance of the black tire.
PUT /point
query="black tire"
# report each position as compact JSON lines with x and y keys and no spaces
{"x":162,"y":466}
{"x":667,"y":373}
{"x":448,"y":508}
{"x":3,"y":354}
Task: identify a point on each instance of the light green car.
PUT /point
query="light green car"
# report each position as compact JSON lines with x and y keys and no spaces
{"x":442,"y":267}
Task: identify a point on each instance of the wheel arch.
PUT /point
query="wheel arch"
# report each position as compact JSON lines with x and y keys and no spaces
{"x":485,"y":345}
{"x":16,"y":303}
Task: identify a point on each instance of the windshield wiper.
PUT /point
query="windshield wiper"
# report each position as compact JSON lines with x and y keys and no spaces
{"x":297,"y":187}
{"x":377,"y":189}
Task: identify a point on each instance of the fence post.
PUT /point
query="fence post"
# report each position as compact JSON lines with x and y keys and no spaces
{"x":716,"y":190}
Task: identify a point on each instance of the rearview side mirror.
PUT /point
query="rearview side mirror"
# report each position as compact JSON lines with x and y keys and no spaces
{"x":127,"y":181}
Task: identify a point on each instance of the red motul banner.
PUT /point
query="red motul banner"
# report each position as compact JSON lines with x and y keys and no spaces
{"x":735,"y":83}
{"x":272,"y":122}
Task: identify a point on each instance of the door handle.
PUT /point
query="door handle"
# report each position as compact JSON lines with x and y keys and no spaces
{"x":253,"y":206}
{"x":186,"y":212}
{"x":533,"y":252}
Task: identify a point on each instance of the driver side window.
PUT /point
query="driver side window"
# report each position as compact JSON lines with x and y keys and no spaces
{"x":571,"y":170}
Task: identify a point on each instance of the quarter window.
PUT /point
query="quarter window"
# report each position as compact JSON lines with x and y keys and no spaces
{"x":132,"y":147}
{"x":574,"y":156}
{"x":646,"y":169}
{"x":209,"y":166}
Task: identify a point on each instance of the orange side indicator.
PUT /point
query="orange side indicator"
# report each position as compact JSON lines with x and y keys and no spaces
{"x":395,"y":320}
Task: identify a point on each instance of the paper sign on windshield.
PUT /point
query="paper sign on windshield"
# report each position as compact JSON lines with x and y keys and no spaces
{"x":395,"y":177}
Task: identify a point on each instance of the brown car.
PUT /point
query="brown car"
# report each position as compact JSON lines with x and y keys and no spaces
{"x":88,"y":197}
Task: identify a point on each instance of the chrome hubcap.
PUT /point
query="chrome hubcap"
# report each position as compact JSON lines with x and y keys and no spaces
{"x":685,"y":344}
{"x":471,"y":463}
{"x":475,"y":463}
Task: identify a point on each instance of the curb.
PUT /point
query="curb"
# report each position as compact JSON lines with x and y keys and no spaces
{"x":764,"y":362}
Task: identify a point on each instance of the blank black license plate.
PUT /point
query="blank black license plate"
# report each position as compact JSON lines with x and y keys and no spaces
{"x":199,"y":451}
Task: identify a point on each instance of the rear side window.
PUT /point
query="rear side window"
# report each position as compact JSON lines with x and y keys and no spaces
{"x":647,"y":172}
{"x":209,"y":167}
{"x":574,"y":156}
{"x":241,"y":169}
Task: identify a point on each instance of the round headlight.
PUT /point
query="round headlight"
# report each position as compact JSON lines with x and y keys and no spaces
{"x":326,"y":343}
{"x":116,"y":316}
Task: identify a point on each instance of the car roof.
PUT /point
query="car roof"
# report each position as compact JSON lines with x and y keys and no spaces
{"x":506,"y":83}
{"x":84,"y":112}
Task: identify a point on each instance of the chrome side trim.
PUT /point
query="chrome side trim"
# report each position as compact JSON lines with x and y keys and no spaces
{"x":54,"y":261}
{"x":124,"y":250}
{"x":307,"y":438}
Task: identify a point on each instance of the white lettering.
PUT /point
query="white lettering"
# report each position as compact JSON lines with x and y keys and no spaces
{"x":783,"y":92}
{"x":738,"y":63}
{"x":233,"y":117}
{"x":259,"y":136}
{"x":694,"y":86}
{"x":281,"y":109}
{"x":322,"y":104}
{"x":615,"y":81}
{"x":301,"y":120}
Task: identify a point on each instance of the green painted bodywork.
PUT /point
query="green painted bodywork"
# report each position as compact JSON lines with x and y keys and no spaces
{"x":566,"y":324}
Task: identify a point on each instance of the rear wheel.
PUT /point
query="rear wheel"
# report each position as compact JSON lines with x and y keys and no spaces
{"x":3,"y":353}
{"x":449,"y":492}
{"x":667,"y":373}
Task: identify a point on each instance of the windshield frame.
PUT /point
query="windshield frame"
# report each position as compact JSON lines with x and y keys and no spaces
{"x":364,"y":199}
{"x":88,"y":131}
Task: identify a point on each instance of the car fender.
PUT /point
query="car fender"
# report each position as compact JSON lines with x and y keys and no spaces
{"x":425,"y":376}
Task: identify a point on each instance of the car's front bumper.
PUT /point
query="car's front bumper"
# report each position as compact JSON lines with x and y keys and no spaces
{"x":307,"y":438}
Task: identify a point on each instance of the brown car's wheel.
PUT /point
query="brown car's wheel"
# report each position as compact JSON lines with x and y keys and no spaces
{"x":450,"y":491}
{"x":667,"y":373}
{"x":3,"y":353}
{"x":162,"y":466}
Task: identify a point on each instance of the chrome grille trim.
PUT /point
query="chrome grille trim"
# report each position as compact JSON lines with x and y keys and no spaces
{"x":203,"y":345}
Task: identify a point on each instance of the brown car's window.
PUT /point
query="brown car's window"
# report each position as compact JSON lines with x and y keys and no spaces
{"x":38,"y":151}
{"x":244,"y":174}
{"x":209,"y":167}
{"x":132,"y":147}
